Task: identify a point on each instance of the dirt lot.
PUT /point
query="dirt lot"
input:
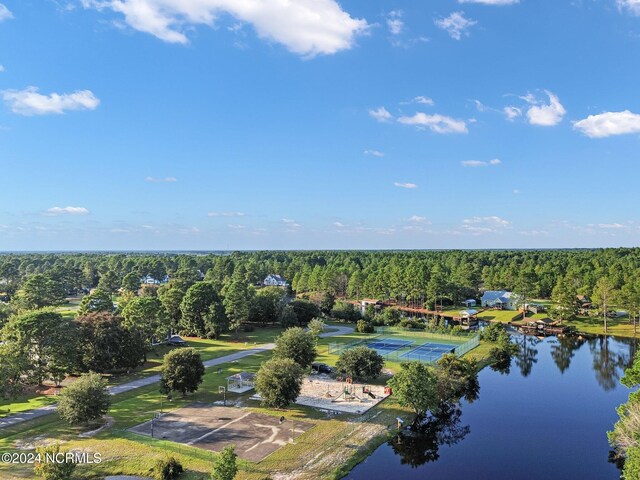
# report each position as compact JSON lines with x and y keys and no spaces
{"x":212,"y":428}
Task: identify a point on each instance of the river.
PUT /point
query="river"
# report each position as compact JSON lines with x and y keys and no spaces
{"x":546,"y":418}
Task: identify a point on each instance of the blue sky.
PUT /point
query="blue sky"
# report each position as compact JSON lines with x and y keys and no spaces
{"x":250,"y":124}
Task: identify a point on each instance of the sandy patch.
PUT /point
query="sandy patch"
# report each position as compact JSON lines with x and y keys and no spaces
{"x":323,"y":392}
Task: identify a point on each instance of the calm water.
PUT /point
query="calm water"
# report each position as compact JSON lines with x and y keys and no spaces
{"x":546,"y":418}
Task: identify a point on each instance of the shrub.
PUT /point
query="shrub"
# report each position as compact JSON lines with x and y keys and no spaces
{"x":360,"y":363}
{"x":411,"y":323}
{"x":84,"y":400}
{"x":167,"y":469}
{"x":225,"y":466}
{"x":364,"y":327}
{"x":53,"y":470}
{"x":346,"y":311}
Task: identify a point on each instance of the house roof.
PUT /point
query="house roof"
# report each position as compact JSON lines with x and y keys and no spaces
{"x":501,"y":296}
{"x":275,"y":277}
{"x":469,"y":312}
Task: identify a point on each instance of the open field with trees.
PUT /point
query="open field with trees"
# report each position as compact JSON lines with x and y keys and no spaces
{"x":108,"y":319}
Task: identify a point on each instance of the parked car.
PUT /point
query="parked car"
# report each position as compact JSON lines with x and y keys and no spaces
{"x":321,"y":367}
{"x":177,"y":341}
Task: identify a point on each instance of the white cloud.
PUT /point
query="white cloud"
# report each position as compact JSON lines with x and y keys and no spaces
{"x":632,"y":6}
{"x":30,"y":102}
{"x":512,"y":112}
{"x":480,"y":225}
{"x":515,"y":191}
{"x":304,"y":27}
{"x":395,"y":23}
{"x":55,"y":211}
{"x":375,"y":153}
{"x":226,"y":214}
{"x":5,"y":13}
{"x":381,"y":114}
{"x":419,"y":219}
{"x":609,"y":123}
{"x":339,"y":224}
{"x":481,"y":163}
{"x":611,"y":225}
{"x":424,"y":100}
{"x":161,"y":180}
{"x":437,"y":123}
{"x":1,"y":68}
{"x":543,"y":114}
{"x":491,"y":2}
{"x":456,"y":25}
{"x":405,"y":185}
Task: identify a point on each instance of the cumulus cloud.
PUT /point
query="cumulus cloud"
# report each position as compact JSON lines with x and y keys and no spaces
{"x":226,"y":214}
{"x":5,"y":13}
{"x":30,"y":102}
{"x":304,"y":27}
{"x":394,"y":22}
{"x":161,"y":180}
{"x":437,"y":123}
{"x":632,"y":6}
{"x":375,"y":153}
{"x":481,"y":163}
{"x":424,"y":100}
{"x":491,"y":2}
{"x":544,"y":114}
{"x":512,"y":112}
{"x":55,"y":211}
{"x":405,"y":185}
{"x":456,"y":25}
{"x":381,"y":114}
{"x":609,"y":123}
{"x":419,"y":219}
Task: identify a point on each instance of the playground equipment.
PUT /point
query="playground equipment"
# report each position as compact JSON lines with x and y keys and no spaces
{"x":366,"y":390}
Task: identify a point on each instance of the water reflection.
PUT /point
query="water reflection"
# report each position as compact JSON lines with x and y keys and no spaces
{"x":421,"y":444}
{"x":563,"y":350}
{"x":527,"y":354}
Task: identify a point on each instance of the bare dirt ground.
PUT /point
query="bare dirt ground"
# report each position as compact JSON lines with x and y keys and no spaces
{"x":254,"y":435}
{"x":323,"y":392}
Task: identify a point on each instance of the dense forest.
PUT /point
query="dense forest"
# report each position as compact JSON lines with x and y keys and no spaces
{"x":380,"y":274}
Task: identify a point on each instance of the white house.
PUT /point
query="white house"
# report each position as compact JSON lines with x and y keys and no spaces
{"x":499,"y":299}
{"x":275,"y":281}
{"x":149,"y":280}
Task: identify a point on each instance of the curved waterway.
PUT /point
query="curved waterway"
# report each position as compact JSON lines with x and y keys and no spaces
{"x":545,"y":416}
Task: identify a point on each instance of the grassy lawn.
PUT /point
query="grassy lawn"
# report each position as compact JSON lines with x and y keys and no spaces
{"x":208,"y":349}
{"x":616,"y":326}
{"x":503,"y":316}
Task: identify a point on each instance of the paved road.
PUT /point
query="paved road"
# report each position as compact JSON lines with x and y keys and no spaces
{"x":143,"y":382}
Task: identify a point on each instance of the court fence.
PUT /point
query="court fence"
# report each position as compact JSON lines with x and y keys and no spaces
{"x":417,"y":349}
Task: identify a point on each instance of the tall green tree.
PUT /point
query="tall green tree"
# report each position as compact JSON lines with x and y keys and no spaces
{"x":149,"y":318}
{"x":195,"y":305}
{"x":182,"y":371}
{"x":602,"y":297}
{"x":131,"y":282}
{"x":97,"y":301}
{"x":237,"y":302}
{"x":416,"y":386}
{"x":48,"y":340}
{"x":565,"y":300}
{"x":39,"y":291}
{"x":298,"y":345}
{"x":278,"y":382}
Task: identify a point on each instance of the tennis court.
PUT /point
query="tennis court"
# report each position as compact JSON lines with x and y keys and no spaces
{"x":386,"y":345}
{"x":428,"y":352}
